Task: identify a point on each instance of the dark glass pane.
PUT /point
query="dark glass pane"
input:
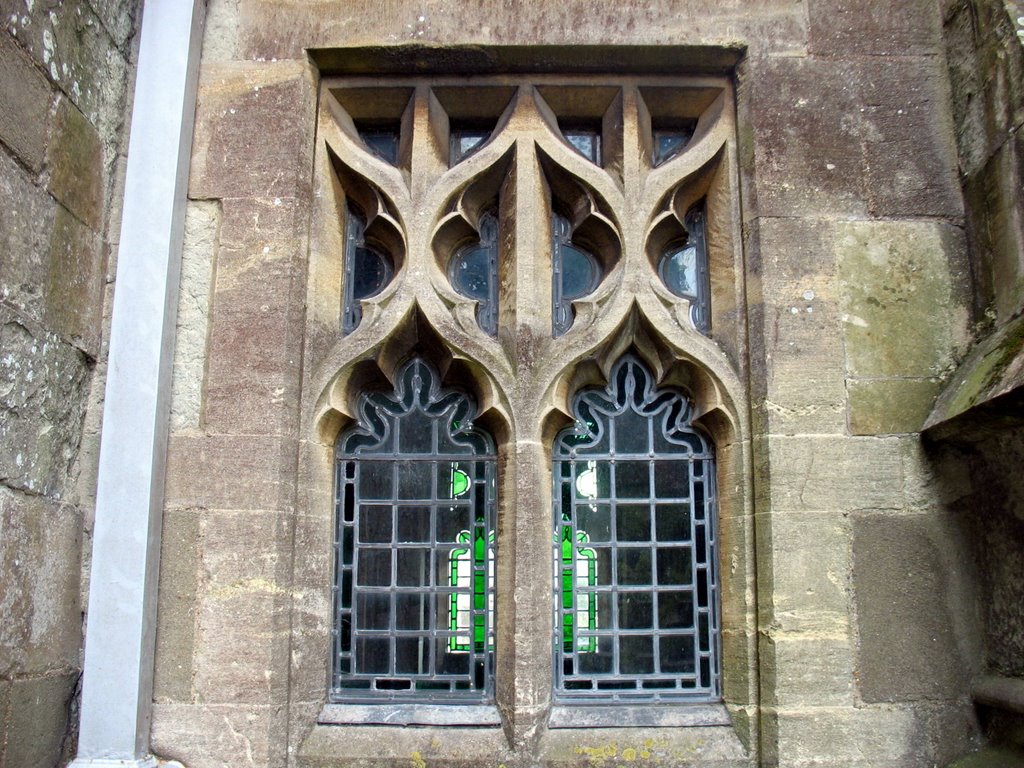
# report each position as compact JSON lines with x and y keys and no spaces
{"x":451,"y":521}
{"x":595,"y":520}
{"x":374,"y":524}
{"x":586,"y":142}
{"x":674,"y":565}
{"x":596,"y":664}
{"x":633,"y":522}
{"x":372,"y":655}
{"x":384,"y":144}
{"x":672,"y":522}
{"x":670,"y":142}
{"x":412,"y":655}
{"x":466,"y":141}
{"x":636,"y":655}
{"x":579,"y":272}
{"x":672,"y":479}
{"x":636,"y":610}
{"x":471,"y":272}
{"x":373,"y":611}
{"x":412,"y":610}
{"x":375,"y":480}
{"x":675,"y":610}
{"x":452,"y":663}
{"x":413,"y":567}
{"x":416,"y":434}
{"x":634,"y":566}
{"x":676,"y":654}
{"x":631,"y":433}
{"x":703,"y":632}
{"x":632,"y":479}
{"x":414,"y":524}
{"x":374,"y":568}
{"x":414,"y":480}
{"x":679,"y":271}
{"x":371,"y":272}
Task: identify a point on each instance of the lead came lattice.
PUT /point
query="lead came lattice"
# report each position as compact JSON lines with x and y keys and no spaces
{"x":635,"y":498}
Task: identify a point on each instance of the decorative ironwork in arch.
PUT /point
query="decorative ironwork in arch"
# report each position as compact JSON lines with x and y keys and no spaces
{"x":634,"y":500}
{"x":414,"y":583}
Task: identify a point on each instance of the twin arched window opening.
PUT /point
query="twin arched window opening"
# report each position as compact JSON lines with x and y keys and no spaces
{"x":633,"y":547}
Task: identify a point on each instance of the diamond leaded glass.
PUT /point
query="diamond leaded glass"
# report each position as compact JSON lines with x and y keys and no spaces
{"x":636,"y":581}
{"x":414,"y":584}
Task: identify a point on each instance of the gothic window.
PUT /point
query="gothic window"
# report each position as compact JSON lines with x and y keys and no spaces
{"x":414,"y":586}
{"x":538,"y":243}
{"x":635,"y":545}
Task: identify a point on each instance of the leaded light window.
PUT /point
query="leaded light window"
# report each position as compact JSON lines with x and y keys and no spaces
{"x":414,"y":548}
{"x":636,"y":586}
{"x":367,"y":270}
{"x":574,"y":272}
{"x":684,"y":270}
{"x":473,"y":272}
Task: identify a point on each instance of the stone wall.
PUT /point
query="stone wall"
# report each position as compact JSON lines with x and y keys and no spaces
{"x":859,"y":305}
{"x":64,"y":75}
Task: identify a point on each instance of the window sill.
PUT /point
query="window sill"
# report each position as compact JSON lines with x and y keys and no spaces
{"x":476,"y":715}
{"x":632,"y":715}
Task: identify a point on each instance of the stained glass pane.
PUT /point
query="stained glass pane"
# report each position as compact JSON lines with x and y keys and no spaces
{"x":367,"y":270}
{"x":637,"y":564}
{"x":684,"y":270}
{"x":412,"y":578}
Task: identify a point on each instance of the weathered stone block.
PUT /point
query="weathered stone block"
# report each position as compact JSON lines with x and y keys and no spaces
{"x":43,"y":388}
{"x":242,"y":651}
{"x":71,"y":44}
{"x":180,"y":544}
{"x":800,"y":669}
{"x":890,"y":406}
{"x":212,"y":736}
{"x":256,"y":323}
{"x":270,"y":32}
{"x":202,"y":234}
{"x":797,"y":334}
{"x":229,"y":472}
{"x":908,"y":134}
{"x":805,"y":580}
{"x":911,"y":609}
{"x":24,"y":105}
{"x":119,"y":19}
{"x":900,"y":312}
{"x":38,"y":717}
{"x":75,"y":281}
{"x":841,"y":736}
{"x":805,"y":119}
{"x":814,"y":473}
{"x":874,"y":28}
{"x":252,"y":124}
{"x":75,"y":159}
{"x":40,"y":610}
{"x":26,"y":221}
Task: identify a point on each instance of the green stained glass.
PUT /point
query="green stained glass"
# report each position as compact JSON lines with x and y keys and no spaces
{"x":471,"y":605}
{"x":459,"y":482}
{"x":585,"y":615}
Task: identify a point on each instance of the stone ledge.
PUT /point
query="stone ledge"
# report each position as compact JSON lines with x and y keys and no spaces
{"x":990,"y":379}
{"x":1006,"y":693}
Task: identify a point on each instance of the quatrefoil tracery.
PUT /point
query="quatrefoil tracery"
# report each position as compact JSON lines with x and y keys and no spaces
{"x":525,"y":179}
